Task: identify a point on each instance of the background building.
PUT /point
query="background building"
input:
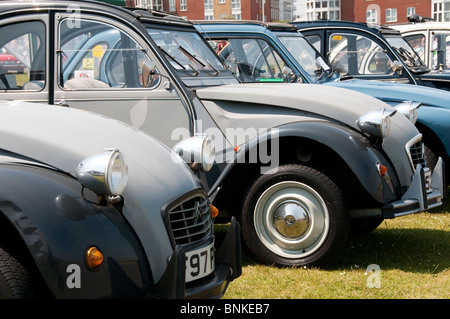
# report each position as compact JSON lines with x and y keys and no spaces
{"x":383,"y":11}
{"x":371,"y":11}
{"x":262,"y":10}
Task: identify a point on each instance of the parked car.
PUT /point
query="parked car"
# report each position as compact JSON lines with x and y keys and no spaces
{"x":373,"y":53}
{"x":255,"y":49}
{"x":296,"y":162}
{"x":430,"y":40}
{"x":87,"y":214}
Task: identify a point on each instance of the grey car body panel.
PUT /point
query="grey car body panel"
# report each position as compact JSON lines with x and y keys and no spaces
{"x":42,"y":130}
{"x":332,"y":103}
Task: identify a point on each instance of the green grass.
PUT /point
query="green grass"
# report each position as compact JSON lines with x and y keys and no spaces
{"x":412,"y":252}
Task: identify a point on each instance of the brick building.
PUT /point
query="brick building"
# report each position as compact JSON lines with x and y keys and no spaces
{"x":383,"y":11}
{"x":263,"y":10}
{"x":372,"y":11}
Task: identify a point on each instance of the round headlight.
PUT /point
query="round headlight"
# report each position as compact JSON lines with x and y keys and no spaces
{"x":105,"y":173}
{"x":376,"y":123}
{"x":409,"y":109}
{"x":197,"y":151}
{"x":116,"y":174}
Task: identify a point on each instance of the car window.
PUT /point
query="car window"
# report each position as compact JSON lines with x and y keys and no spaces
{"x":417,"y":42}
{"x":315,"y":40}
{"x":187,"y":52}
{"x":98,"y":55}
{"x":253,"y":60}
{"x":22,"y":56}
{"x":358,"y":55}
{"x":440,"y":50}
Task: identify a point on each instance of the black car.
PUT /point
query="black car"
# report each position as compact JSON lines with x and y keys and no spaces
{"x":372,"y":53}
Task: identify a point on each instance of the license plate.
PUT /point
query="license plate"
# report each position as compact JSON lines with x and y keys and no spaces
{"x":428,"y":183}
{"x":199,"y":262}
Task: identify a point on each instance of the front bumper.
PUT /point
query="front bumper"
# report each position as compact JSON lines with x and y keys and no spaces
{"x":228,"y":266}
{"x":417,"y":199}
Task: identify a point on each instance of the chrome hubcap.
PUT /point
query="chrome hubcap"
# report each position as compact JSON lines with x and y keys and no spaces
{"x":291,"y":219}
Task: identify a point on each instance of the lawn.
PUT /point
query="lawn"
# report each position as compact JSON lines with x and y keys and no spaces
{"x":411,"y":253}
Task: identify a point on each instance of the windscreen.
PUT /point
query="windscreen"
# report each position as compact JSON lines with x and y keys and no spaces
{"x":187,"y":52}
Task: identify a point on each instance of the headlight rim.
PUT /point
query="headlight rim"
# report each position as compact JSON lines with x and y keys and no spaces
{"x":192,"y":151}
{"x":95,"y":172}
{"x":409,"y":109}
{"x":376,"y":123}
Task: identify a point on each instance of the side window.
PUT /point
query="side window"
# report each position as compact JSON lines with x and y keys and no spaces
{"x":417,"y":42}
{"x":440,"y":50}
{"x":358,"y":55}
{"x":253,"y":60}
{"x":22,"y":56}
{"x":447,"y":51}
{"x":98,"y":55}
{"x":315,"y":40}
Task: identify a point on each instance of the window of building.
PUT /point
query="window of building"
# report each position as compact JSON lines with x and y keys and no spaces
{"x":150,"y":4}
{"x":235,"y":4}
{"x":183,"y":5}
{"x":371,"y":16}
{"x":172,"y":6}
{"x":441,"y":11}
{"x":221,"y":1}
{"x":391,"y":15}
{"x":410,"y":11}
{"x":209,"y":5}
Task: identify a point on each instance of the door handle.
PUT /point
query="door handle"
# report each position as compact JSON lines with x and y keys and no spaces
{"x":63,"y":103}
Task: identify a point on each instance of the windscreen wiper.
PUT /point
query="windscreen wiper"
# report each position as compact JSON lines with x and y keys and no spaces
{"x":172,"y":58}
{"x":196,"y":59}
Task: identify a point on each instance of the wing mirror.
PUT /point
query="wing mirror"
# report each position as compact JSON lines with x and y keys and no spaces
{"x":397,"y":67}
{"x":288,"y":74}
{"x":148,"y":73}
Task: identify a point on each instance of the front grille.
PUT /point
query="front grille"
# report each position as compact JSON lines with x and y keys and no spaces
{"x":416,"y":153}
{"x":190,"y":221}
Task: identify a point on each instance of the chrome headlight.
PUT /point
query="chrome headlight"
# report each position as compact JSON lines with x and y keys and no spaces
{"x":376,"y":123}
{"x":105,"y":173}
{"x":409,"y":109}
{"x":197,"y":151}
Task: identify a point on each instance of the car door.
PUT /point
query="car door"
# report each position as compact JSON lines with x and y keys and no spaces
{"x":360,"y":55}
{"x":99,"y":67}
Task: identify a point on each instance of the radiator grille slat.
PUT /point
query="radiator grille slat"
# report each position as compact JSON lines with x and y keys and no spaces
{"x":190,"y":221}
{"x":417,"y":155}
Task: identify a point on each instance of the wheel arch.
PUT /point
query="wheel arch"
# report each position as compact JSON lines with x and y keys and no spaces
{"x":339,"y":152}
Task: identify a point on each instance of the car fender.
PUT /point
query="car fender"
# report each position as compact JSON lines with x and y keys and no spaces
{"x":355,"y":150}
{"x":57,"y":225}
{"x":437,"y":120}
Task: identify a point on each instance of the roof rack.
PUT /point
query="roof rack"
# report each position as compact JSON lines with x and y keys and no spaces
{"x":274,"y":26}
{"x":418,"y":18}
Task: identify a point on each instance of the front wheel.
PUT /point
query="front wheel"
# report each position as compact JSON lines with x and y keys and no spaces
{"x":294,"y":215}
{"x":15,"y":281}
